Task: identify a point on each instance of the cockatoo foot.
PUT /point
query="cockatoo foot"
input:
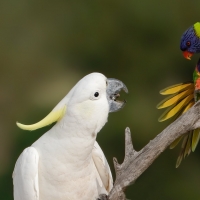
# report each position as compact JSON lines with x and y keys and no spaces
{"x":102,"y":197}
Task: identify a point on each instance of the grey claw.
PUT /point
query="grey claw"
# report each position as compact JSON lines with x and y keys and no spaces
{"x":103,"y":197}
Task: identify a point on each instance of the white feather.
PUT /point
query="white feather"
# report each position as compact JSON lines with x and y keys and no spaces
{"x":66,"y":163}
{"x":102,"y":167}
{"x":25,"y":176}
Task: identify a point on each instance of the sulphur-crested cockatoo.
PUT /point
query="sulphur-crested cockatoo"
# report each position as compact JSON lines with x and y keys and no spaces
{"x":66,"y":163}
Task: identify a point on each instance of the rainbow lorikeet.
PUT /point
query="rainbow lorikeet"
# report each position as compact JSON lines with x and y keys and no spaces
{"x":183,"y":96}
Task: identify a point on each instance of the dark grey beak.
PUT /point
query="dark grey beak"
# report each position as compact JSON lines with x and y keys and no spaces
{"x":114,"y":86}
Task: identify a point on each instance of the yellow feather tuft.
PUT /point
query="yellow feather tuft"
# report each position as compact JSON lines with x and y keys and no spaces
{"x":197,"y":29}
{"x":187,"y":148}
{"x":195,"y":138}
{"x":173,"y":99}
{"x":175,"y":142}
{"x":188,"y":106}
{"x":174,"y":110}
{"x":53,"y":116}
{"x":177,"y":88}
{"x":180,"y":157}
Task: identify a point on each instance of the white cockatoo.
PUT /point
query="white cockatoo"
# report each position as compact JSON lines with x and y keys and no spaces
{"x":66,"y":163}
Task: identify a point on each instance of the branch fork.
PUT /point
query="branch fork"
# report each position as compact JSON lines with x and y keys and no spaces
{"x":135,"y":163}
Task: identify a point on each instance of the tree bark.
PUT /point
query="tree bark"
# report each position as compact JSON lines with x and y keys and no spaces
{"x":135,"y":163}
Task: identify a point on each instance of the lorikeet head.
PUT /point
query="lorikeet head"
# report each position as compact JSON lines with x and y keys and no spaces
{"x":190,"y":41}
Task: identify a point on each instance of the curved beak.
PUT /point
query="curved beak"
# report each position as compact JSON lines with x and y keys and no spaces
{"x":187,"y":55}
{"x":114,"y":86}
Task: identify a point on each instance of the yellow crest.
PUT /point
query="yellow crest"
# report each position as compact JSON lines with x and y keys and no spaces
{"x":53,"y":116}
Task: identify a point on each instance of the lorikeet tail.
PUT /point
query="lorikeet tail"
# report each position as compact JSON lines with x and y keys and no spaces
{"x":180,"y":99}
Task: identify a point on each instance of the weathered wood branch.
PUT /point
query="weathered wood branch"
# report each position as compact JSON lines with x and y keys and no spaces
{"x":135,"y":163}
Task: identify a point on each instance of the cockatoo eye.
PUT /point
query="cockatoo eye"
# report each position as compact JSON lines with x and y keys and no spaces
{"x":95,"y":95}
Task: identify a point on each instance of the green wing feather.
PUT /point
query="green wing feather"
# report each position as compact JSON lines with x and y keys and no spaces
{"x":175,"y":142}
{"x":173,"y":99}
{"x":184,"y":150}
{"x":177,"y":88}
{"x":195,"y":138}
{"x":180,"y":157}
{"x":178,"y":107}
{"x":187,"y":147}
{"x":190,"y":104}
{"x":180,"y":99}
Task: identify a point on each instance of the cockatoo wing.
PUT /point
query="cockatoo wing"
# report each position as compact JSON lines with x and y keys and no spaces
{"x":25,"y":175}
{"x":102,"y":167}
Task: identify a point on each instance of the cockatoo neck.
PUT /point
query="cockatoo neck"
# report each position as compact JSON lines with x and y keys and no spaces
{"x":87,"y":117}
{"x":77,"y":135}
{"x":81,"y":126}
{"x":76,"y":128}
{"x":74,"y":141}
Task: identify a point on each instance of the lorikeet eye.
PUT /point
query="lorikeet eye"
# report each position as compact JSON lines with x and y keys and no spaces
{"x":188,"y":43}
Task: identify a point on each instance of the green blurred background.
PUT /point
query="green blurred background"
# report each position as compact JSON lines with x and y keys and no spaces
{"x":47,"y":46}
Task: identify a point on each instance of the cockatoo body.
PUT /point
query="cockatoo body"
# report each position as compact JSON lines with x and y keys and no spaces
{"x":66,"y":163}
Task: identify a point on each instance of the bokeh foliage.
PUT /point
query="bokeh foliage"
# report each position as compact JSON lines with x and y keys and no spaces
{"x":47,"y":46}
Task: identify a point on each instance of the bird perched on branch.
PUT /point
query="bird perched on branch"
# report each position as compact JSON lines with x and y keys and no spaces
{"x":66,"y":163}
{"x":183,"y":96}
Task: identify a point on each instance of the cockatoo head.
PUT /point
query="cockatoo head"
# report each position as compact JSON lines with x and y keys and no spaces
{"x":92,"y":98}
{"x":89,"y":101}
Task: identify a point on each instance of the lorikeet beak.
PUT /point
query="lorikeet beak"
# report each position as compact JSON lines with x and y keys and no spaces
{"x":187,"y":55}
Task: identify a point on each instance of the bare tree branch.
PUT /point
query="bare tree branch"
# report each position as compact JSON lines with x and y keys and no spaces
{"x":135,"y":163}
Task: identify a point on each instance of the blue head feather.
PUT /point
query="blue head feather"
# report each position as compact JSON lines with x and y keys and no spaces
{"x":190,"y":41}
